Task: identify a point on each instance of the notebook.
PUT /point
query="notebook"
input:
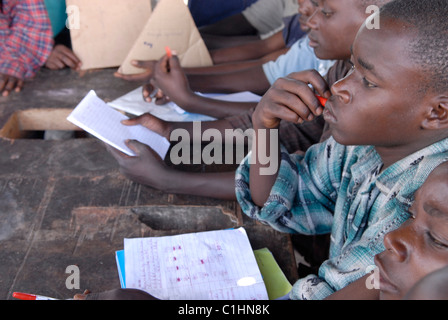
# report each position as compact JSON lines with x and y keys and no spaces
{"x":104,"y":122}
{"x":211,"y":265}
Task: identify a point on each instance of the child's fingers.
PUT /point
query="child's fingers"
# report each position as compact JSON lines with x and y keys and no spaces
{"x":298,"y":97}
{"x":19,"y":85}
{"x":141,"y":149}
{"x":146,"y":120}
{"x":10,"y":86}
{"x":143,"y":64}
{"x":313,"y":78}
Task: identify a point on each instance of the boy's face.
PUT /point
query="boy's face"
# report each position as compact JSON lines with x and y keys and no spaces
{"x":306,"y":10}
{"x":333,"y":27}
{"x":378,"y":103}
{"x":420,"y":245}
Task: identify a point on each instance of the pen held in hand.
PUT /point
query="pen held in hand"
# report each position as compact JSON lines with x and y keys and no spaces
{"x":322,"y":100}
{"x":169,"y":54}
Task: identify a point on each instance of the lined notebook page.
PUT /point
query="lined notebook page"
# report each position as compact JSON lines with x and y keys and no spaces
{"x":96,"y":117}
{"x":214,"y":265}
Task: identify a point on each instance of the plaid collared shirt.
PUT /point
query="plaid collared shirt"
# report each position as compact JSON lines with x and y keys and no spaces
{"x":26,"y":37}
{"x":340,"y":190}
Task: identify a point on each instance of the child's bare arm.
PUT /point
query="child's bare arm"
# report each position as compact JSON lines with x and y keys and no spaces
{"x":289,"y":99}
{"x":250,"y":51}
{"x":170,"y":78}
{"x":248,"y":79}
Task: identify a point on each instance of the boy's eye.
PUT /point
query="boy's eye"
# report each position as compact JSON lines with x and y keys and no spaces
{"x":367,"y":83}
{"x":314,"y":3}
{"x":436,"y":242}
{"x":326,"y":13}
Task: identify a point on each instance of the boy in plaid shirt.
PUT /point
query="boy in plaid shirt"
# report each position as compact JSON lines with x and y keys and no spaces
{"x":26,"y":41}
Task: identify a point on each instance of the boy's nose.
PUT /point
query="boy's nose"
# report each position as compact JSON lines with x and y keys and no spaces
{"x":396,"y":243}
{"x":312,"y":22}
{"x":340,"y":89}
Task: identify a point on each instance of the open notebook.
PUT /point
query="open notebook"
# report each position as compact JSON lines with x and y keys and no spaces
{"x":212,"y":265}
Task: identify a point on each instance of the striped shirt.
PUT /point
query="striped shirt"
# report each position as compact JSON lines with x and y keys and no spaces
{"x":340,"y":190}
{"x":26,"y":37}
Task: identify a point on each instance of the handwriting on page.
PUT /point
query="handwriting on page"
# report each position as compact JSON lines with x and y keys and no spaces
{"x":206,"y":266}
{"x":96,"y":117}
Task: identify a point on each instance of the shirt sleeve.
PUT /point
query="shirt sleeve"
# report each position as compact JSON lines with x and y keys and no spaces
{"x":304,"y":194}
{"x":28,"y":43}
{"x":302,"y":57}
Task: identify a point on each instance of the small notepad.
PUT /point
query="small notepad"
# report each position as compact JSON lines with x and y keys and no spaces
{"x":97,"y":118}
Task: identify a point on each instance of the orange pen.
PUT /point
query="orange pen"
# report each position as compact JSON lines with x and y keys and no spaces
{"x":168,"y":52}
{"x":322,"y":100}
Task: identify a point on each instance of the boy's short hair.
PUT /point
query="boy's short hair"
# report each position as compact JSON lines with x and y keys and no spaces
{"x":428,"y":22}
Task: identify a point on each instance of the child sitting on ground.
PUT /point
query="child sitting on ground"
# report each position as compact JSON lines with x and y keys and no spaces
{"x":389,"y":124}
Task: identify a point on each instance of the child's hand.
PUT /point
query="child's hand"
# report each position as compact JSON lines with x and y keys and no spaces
{"x":149,"y":95}
{"x":171,"y":79}
{"x":152,"y":123}
{"x":62,"y":57}
{"x":147,"y":71}
{"x":9,"y":83}
{"x":291,"y":99}
{"x":145,"y":168}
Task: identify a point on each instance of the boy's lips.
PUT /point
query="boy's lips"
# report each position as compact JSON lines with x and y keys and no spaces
{"x":313,"y":42}
{"x":385,"y":284}
{"x":329,"y":115}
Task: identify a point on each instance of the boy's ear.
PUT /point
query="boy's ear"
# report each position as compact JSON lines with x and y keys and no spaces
{"x":437,"y":117}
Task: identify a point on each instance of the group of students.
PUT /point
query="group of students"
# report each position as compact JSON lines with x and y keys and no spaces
{"x":369,"y":167}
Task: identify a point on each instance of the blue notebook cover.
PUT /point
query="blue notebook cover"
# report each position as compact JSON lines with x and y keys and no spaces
{"x":119,"y":256}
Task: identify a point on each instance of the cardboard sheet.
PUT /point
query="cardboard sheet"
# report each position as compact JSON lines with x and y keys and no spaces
{"x":103,"y":31}
{"x":172,"y":25}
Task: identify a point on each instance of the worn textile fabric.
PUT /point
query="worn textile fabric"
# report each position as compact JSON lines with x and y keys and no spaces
{"x":26,"y":37}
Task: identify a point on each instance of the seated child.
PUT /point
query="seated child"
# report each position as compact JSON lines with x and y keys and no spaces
{"x":180,"y":85}
{"x":148,"y":169}
{"x":419,"y":246}
{"x":389,"y":124}
{"x":62,"y":55}
{"x":25,"y":42}
{"x":415,"y":252}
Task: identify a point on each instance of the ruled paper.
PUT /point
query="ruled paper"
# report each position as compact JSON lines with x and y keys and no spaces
{"x":102,"y":121}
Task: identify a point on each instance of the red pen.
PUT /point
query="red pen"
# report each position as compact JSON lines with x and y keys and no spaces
{"x":322,"y":100}
{"x":27,"y":296}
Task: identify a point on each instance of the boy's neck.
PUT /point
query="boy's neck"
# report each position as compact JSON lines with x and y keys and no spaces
{"x":391,"y":155}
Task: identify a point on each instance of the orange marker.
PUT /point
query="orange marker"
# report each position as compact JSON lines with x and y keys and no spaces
{"x":322,"y":101}
{"x":168,"y":52}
